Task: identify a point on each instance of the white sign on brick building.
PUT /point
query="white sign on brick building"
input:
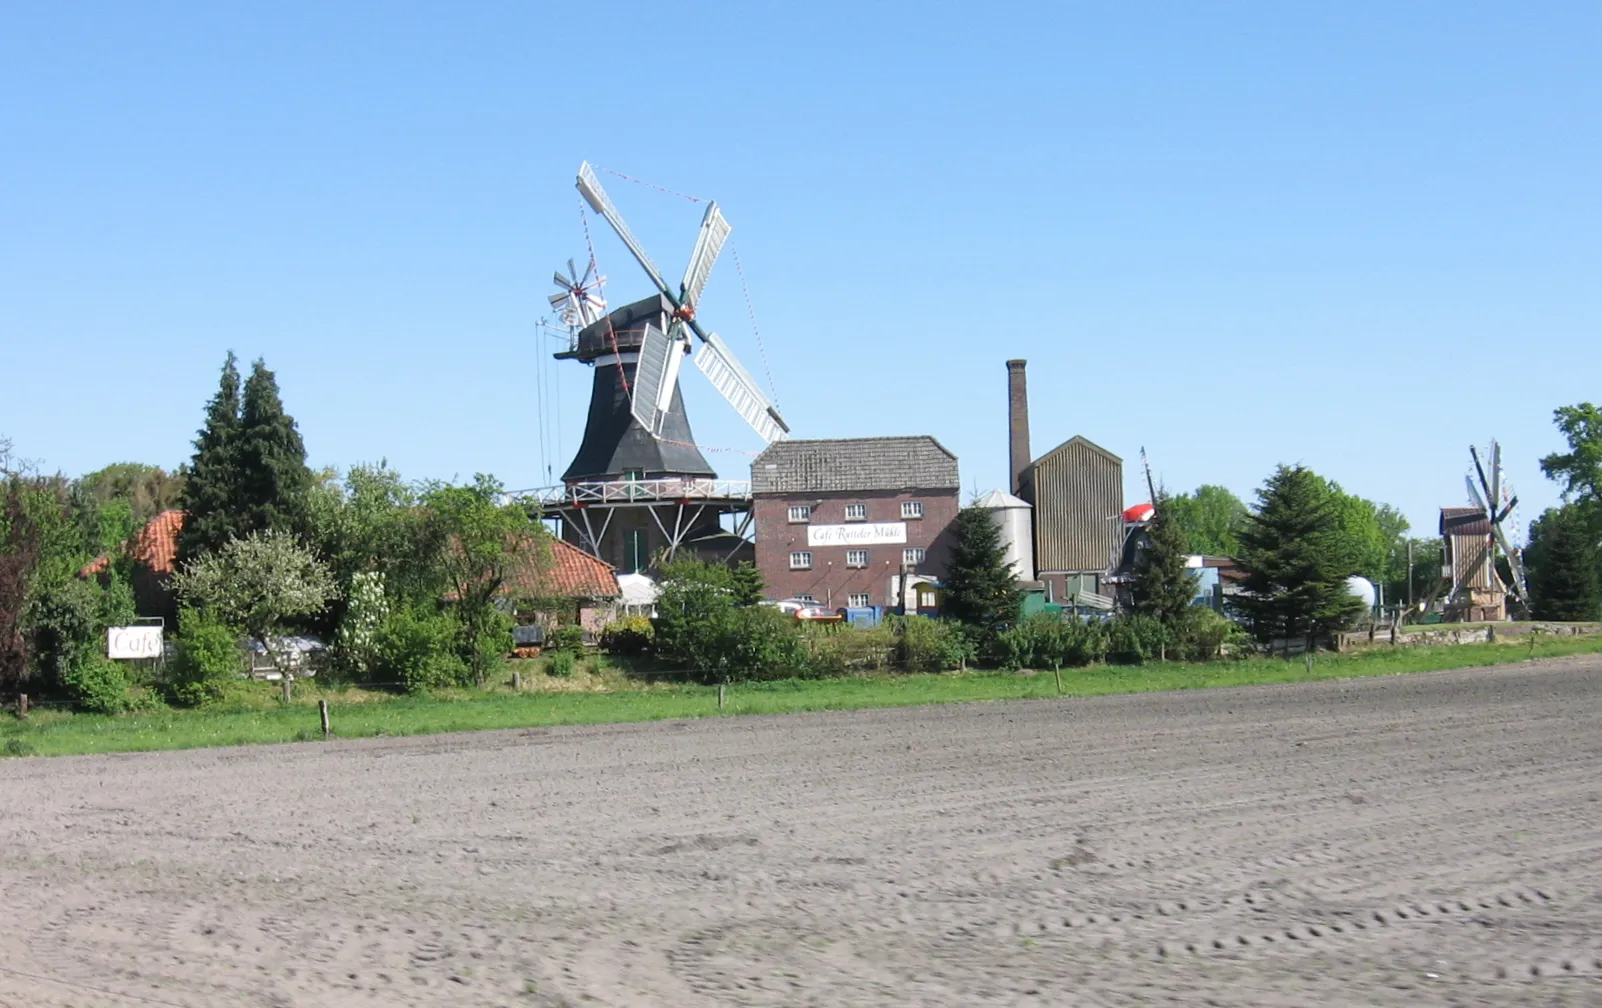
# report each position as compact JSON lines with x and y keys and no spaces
{"x":863,"y":534}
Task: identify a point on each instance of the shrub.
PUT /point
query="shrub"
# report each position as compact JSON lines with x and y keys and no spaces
{"x":836,"y":650}
{"x":561,"y":664}
{"x":1132,"y":640}
{"x":631,"y":635}
{"x":417,"y":650}
{"x":755,"y":643}
{"x":1207,"y":634}
{"x":930,"y":645}
{"x":209,"y":658}
{"x":565,"y":638}
{"x":97,"y":684}
{"x":1048,"y":641}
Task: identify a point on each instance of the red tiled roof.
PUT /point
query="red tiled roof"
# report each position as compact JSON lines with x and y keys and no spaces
{"x":571,"y":573}
{"x":155,"y":547}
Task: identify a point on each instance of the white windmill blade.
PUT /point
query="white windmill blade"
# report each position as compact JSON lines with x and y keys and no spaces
{"x":656,"y":377}
{"x":1475,"y":497}
{"x":721,"y":368}
{"x":714,"y":232}
{"x":590,"y":188}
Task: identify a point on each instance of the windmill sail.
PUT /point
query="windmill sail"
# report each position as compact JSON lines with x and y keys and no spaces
{"x":590,"y":188}
{"x":714,"y":232}
{"x":721,"y":368}
{"x":656,"y":376}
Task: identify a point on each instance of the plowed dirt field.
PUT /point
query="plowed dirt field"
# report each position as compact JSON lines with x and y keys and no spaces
{"x":1418,"y":840}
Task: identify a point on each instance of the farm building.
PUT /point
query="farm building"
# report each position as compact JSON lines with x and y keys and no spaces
{"x":847,"y":522}
{"x":154,"y":552}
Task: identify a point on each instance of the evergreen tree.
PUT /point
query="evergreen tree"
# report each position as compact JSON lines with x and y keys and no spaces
{"x":747,"y":583}
{"x":1565,"y":564}
{"x":1164,"y":587}
{"x":274,"y":480}
{"x":211,"y":482}
{"x":1296,"y":560}
{"x":981,"y":587}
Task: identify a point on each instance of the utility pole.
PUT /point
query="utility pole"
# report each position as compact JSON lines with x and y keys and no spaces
{"x":1410,"y":575}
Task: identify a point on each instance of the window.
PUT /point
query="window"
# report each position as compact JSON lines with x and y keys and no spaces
{"x":801,"y":560}
{"x":805,"y":598}
{"x":800,"y":512}
{"x":912,"y":509}
{"x":912,"y":556}
{"x":856,"y":558}
{"x":856,"y":512}
{"x":861,"y":601}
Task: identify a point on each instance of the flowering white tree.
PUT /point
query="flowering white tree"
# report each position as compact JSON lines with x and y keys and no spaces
{"x":365,"y":611}
{"x":256,"y":584}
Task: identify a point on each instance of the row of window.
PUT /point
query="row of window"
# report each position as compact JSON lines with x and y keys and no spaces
{"x":802,"y":513}
{"x":912,"y":556}
{"x":855,"y":601}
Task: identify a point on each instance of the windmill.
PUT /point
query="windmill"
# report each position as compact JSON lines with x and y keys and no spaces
{"x":662,"y":351}
{"x":639,"y":488}
{"x":578,"y":298}
{"x":1491,"y":494}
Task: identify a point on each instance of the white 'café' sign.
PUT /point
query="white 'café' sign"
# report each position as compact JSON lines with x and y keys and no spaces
{"x":133,"y":642}
{"x":864,"y":534}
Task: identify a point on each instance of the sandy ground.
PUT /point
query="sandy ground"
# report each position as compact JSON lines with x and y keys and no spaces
{"x":1431,"y":839}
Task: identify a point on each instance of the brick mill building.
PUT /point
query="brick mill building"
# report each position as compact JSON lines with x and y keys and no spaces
{"x":846,"y":522}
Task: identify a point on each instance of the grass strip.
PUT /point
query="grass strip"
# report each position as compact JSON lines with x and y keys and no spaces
{"x":58,"y":733}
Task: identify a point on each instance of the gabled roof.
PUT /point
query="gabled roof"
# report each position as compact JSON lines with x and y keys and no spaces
{"x":1079,"y":440}
{"x":916,"y":462}
{"x":154,"y":547}
{"x":571,"y":573}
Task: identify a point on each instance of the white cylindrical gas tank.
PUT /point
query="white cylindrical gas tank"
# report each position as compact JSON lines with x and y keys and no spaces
{"x":1014,"y":519}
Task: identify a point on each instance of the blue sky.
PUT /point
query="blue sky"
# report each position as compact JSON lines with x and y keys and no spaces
{"x":1357,"y":236}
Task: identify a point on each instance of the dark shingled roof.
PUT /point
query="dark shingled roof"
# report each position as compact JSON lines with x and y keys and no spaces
{"x":917,"y":462}
{"x":1460,"y":521}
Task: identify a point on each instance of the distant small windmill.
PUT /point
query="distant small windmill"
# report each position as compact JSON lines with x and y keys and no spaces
{"x":578,"y":299}
{"x":1489,"y":492}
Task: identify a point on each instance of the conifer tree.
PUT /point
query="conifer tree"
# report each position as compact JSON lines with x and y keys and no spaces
{"x":981,"y":587}
{"x":747,"y":583}
{"x":1565,"y":564}
{"x":211,"y":481}
{"x":1296,"y":560}
{"x":273,"y":478}
{"x":1164,"y":587}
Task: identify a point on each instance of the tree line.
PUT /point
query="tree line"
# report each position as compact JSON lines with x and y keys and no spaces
{"x":403,"y":577}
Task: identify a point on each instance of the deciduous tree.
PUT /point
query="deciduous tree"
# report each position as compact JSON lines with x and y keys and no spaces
{"x":258,"y":583}
{"x":1209,"y":519}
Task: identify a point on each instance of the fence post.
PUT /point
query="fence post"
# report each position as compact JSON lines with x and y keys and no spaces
{"x":1490,"y":635}
{"x":22,"y":706}
{"x":517,"y":682}
{"x":720,"y":696}
{"x":322,"y":712}
{"x":284,"y":680}
{"x":1056,"y":670}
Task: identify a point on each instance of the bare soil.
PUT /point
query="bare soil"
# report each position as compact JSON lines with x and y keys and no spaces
{"x":1417,"y":840}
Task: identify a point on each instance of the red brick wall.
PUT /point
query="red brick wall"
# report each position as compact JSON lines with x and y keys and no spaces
{"x":830,"y":581}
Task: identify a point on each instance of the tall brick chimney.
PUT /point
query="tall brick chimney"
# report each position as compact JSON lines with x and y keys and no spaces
{"x":1017,"y":421}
